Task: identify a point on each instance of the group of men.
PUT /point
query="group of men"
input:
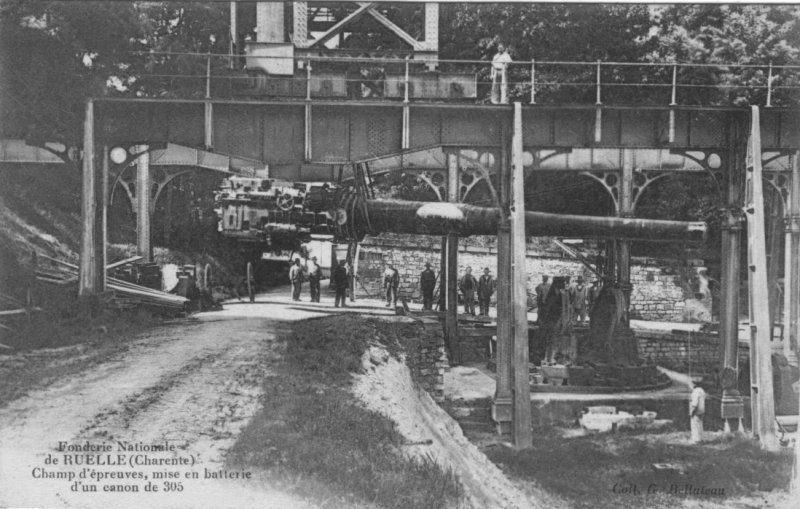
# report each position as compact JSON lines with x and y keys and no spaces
{"x":467,"y":285}
{"x":582,"y":298}
{"x":342,"y":278}
{"x":483,"y":287}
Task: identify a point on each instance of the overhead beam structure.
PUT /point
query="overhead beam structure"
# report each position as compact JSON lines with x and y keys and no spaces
{"x":625,"y":149}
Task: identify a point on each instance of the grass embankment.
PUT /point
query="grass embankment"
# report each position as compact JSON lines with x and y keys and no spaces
{"x":601,"y":470}
{"x":313,"y":432}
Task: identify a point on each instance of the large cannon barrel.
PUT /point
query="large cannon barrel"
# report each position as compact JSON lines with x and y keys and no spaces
{"x":437,"y":218}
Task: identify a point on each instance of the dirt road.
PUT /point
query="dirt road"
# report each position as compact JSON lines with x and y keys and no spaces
{"x":187,"y":388}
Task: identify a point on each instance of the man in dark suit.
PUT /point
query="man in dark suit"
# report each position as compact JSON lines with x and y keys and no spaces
{"x":427,"y":283}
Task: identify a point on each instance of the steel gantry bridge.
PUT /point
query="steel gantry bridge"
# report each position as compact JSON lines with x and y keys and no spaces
{"x":294,"y":112}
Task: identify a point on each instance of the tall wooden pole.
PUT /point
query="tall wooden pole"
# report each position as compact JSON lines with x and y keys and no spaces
{"x":88,"y":273}
{"x":761,"y":393}
{"x":143,"y":204}
{"x":102,"y":260}
{"x":523,"y":434}
{"x":502,"y":411}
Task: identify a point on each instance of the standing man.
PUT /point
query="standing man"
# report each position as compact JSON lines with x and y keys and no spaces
{"x":427,"y":283}
{"x":468,"y":285}
{"x":593,"y":294}
{"x":697,"y":409}
{"x":296,"y":277}
{"x":351,"y":280}
{"x":340,"y":283}
{"x":541,"y":293}
{"x":485,"y":291}
{"x":579,"y":304}
{"x":314,"y":276}
{"x":570,"y":286}
{"x":499,"y":81}
{"x":391,"y":282}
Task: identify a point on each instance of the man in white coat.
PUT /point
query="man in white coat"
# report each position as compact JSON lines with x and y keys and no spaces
{"x":499,"y":79}
{"x":697,"y":409}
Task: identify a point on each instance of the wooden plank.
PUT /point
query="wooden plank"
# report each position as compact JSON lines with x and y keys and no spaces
{"x":13,"y":312}
{"x":60,"y":262}
{"x":123,"y":262}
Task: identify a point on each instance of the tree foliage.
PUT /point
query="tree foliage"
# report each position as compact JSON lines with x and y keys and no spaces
{"x":57,"y":54}
{"x":548,"y":33}
{"x":752,"y":35}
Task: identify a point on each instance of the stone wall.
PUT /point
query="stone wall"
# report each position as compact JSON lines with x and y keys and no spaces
{"x":427,"y":359}
{"x":681,"y":351}
{"x":659,"y":293}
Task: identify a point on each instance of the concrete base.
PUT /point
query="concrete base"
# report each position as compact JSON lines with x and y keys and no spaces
{"x":502,"y":414}
{"x":472,"y":388}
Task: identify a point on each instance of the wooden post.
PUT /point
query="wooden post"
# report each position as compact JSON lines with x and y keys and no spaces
{"x":143,"y":204}
{"x":761,"y":392}
{"x":523,"y":434}
{"x":502,"y":410}
{"x":443,"y":280}
{"x":102,"y":259}
{"x":88,"y":274}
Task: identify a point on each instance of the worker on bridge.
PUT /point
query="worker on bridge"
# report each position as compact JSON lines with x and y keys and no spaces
{"x":499,"y":79}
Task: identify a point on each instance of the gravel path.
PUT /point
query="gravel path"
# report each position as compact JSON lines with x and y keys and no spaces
{"x":193,"y":385}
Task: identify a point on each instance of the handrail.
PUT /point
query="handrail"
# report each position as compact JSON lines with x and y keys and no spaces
{"x":535,"y":81}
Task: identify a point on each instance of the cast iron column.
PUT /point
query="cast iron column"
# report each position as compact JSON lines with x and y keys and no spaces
{"x":732,"y":405}
{"x":625,"y":210}
{"x":792,"y":277}
{"x":451,"y":318}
